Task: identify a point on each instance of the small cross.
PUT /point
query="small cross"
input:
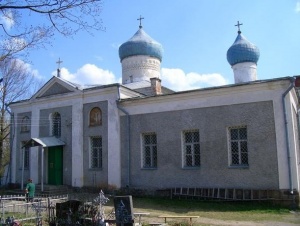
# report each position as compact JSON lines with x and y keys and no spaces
{"x":58,"y":63}
{"x":238,"y":25}
{"x":140,"y":19}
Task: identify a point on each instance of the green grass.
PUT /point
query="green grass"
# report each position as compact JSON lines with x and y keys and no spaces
{"x":216,"y":210}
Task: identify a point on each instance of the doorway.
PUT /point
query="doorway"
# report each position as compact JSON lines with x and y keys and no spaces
{"x":55,"y":165}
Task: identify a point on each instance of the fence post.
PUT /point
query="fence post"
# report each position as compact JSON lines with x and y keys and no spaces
{"x":49,"y":211}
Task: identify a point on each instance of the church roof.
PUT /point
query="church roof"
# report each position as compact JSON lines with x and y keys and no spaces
{"x":141,"y":44}
{"x":145,"y":88}
{"x":214,"y":88}
{"x":242,"y":51}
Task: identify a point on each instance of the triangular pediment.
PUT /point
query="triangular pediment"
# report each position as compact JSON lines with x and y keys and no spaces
{"x":55,"y":89}
{"x":56,"y":86}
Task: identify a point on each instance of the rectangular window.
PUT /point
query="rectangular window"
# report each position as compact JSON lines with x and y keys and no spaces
{"x":149,"y":150}
{"x":191,"y":148}
{"x":95,"y":152}
{"x":238,"y":146}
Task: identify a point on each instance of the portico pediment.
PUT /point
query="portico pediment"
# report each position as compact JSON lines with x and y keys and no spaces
{"x":56,"y":86}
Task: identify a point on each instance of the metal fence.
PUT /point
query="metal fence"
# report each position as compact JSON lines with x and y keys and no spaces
{"x":14,"y":210}
{"x":65,"y":210}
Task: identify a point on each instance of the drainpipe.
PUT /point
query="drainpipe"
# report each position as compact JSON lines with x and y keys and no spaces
{"x":128,"y":136}
{"x":291,"y":86}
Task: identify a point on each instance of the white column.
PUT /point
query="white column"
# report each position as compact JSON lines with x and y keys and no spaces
{"x":42,"y":168}
{"x":114,"y":149}
{"x":34,"y":151}
{"x":77,"y":144}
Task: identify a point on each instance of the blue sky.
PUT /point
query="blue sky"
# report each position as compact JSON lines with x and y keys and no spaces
{"x":195,"y":35}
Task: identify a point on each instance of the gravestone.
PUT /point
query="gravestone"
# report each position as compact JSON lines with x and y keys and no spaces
{"x":67,"y":212}
{"x":123,"y":210}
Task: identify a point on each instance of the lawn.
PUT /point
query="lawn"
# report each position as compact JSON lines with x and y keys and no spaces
{"x":214,"y":212}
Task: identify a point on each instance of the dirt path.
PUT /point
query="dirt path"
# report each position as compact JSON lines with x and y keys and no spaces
{"x":201,"y":221}
{"x":214,"y":222}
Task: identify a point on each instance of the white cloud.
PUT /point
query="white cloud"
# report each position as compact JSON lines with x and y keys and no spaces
{"x":7,"y":19}
{"x":178,"y":80}
{"x":297,"y":9}
{"x":175,"y":79}
{"x":88,"y":74}
{"x":29,"y":69}
{"x":115,"y":45}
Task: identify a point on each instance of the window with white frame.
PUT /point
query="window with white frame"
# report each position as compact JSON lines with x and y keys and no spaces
{"x":26,"y":156}
{"x":95,"y":152}
{"x":238,"y":146}
{"x":149,"y":155}
{"x":191,"y":148}
{"x":56,"y":124}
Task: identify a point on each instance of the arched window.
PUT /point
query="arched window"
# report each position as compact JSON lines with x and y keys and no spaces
{"x":95,"y":117}
{"x":25,"y":124}
{"x":56,"y":124}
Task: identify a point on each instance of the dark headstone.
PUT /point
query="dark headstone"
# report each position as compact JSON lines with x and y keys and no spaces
{"x":67,"y":211}
{"x":123,"y":210}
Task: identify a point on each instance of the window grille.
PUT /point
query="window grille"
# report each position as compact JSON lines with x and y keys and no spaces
{"x":25,"y":124}
{"x":95,"y":117}
{"x":191,"y":148}
{"x":149,"y":150}
{"x":96,"y":152}
{"x":238,"y":145}
{"x":56,"y":124}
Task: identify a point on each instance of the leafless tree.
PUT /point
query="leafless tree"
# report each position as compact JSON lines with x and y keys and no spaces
{"x":26,"y":24}
{"x":17,"y":83}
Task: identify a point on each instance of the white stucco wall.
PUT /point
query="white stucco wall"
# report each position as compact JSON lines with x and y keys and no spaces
{"x":77,"y":143}
{"x":291,"y":113}
{"x":244,"y":72}
{"x":114,"y":147}
{"x":34,"y":151}
{"x":270,"y":91}
{"x":139,"y":68}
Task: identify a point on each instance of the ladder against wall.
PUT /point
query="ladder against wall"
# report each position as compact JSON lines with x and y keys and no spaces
{"x":229,"y":194}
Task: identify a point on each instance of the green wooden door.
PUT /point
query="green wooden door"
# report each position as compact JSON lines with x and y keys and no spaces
{"x":55,"y":165}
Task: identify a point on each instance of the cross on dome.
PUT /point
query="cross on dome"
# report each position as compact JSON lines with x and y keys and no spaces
{"x":140,"y":19}
{"x":238,"y":25}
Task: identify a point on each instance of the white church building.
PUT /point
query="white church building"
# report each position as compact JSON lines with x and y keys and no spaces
{"x":241,"y":137}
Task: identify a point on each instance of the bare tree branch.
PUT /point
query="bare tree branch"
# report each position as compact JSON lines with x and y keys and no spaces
{"x":17,"y":82}
{"x":66,"y":17}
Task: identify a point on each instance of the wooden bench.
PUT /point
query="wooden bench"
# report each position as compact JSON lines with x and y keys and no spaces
{"x":170,"y":216}
{"x":157,"y":224}
{"x":139,"y":215}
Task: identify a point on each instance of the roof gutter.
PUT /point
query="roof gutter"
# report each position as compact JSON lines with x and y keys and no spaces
{"x":128,"y":137}
{"x":291,"y":86}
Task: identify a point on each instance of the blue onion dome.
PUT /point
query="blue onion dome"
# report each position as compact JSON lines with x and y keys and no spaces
{"x":141,"y":44}
{"x":242,"y":51}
